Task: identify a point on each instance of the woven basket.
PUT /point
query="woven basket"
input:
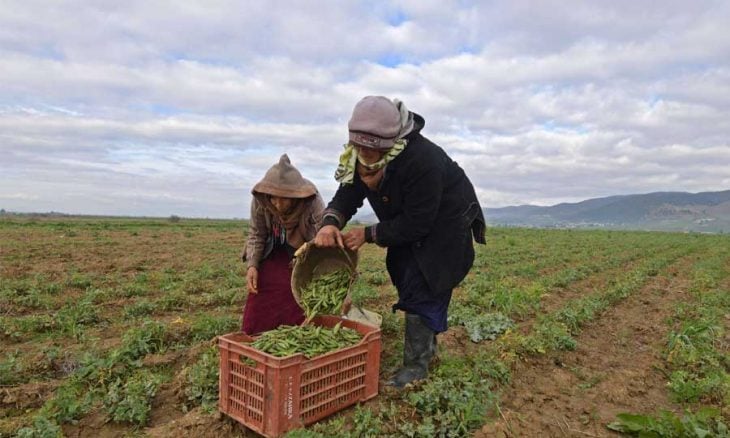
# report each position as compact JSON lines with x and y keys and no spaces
{"x":311,"y":262}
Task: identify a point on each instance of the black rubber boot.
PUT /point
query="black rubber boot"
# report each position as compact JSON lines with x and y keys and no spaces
{"x":419,"y":349}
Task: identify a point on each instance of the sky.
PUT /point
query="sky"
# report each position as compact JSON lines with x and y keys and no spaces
{"x":160,"y":108}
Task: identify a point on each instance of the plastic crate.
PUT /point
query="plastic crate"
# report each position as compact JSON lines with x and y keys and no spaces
{"x":273,"y":395}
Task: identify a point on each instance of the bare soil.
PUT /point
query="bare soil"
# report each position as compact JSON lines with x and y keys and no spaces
{"x":614,"y":369}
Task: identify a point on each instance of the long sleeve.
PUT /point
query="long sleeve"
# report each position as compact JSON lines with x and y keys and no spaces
{"x":422,"y":193}
{"x":344,"y":205}
{"x":257,"y":234}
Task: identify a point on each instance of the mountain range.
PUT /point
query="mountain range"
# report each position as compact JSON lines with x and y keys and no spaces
{"x":663,"y":211}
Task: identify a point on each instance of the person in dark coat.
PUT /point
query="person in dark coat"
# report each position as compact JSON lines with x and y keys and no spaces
{"x":428,"y":214}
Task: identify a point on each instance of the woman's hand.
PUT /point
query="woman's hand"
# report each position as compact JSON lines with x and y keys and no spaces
{"x":329,"y":236}
{"x":354,"y":238}
{"x":252,"y":280}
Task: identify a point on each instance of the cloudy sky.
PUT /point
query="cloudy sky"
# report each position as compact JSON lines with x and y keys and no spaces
{"x":156,"y":108}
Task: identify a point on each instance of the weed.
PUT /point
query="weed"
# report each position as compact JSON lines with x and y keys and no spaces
{"x":174,"y":300}
{"x":201,"y":380}
{"x":705,"y":422}
{"x":15,"y":328}
{"x":130,"y":400}
{"x":139,"y":341}
{"x":376,"y":278}
{"x":362,"y":292}
{"x":74,"y":315}
{"x":205,"y":326}
{"x":366,"y":423}
{"x":450,"y":407}
{"x":140,"y":308}
{"x":10,"y":369}
{"x":42,"y":428}
{"x":70,"y":402}
{"x":479,"y":326}
{"x":79,"y":281}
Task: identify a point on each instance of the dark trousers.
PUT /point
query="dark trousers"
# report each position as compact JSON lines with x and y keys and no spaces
{"x":414,"y":294}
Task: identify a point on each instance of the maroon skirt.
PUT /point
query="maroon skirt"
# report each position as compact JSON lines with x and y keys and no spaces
{"x":274,"y":304}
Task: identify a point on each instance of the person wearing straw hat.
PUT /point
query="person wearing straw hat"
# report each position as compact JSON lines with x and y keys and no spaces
{"x":285,"y":211}
{"x":428,"y":214}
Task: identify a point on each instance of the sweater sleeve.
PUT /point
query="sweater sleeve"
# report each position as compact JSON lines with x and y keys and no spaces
{"x":344,"y":205}
{"x":257,"y":234}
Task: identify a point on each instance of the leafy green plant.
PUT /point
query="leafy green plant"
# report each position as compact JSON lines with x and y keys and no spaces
{"x":174,"y":300}
{"x":74,"y":315}
{"x":42,"y":428}
{"x":451,"y":407}
{"x":366,"y":423}
{"x":70,"y":402}
{"x":79,"y":280}
{"x":10,"y":368}
{"x":140,"y":308}
{"x":137,"y":342}
{"x":201,"y":381}
{"x":707,"y":422}
{"x":361,"y":292}
{"x":130,"y":400}
{"x":206,"y":327}
{"x":480,"y":326}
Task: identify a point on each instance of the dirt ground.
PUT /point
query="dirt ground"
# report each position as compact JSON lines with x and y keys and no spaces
{"x":614,"y":369}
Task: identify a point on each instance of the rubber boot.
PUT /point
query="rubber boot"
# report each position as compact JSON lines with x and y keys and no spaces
{"x":419,"y":349}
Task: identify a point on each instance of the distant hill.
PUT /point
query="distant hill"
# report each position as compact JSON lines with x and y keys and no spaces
{"x":667,"y":211}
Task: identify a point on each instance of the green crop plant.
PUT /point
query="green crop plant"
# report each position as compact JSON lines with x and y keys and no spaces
{"x":42,"y":428}
{"x":366,"y":423}
{"x":504,"y":296}
{"x":362,"y":292}
{"x":10,"y":368}
{"x":479,"y":326}
{"x":450,"y":407}
{"x":74,"y":315}
{"x":33,"y":299}
{"x":201,"y":381}
{"x":133,"y":289}
{"x":206,"y":327}
{"x":220,"y":297}
{"x":130,"y":400}
{"x":711,"y":385}
{"x":376,"y":277}
{"x":706,"y":422}
{"x":174,"y":300}
{"x":150,"y":337}
{"x":70,"y":402}
{"x":79,"y":280}
{"x":15,"y":328}
{"x":140,"y":308}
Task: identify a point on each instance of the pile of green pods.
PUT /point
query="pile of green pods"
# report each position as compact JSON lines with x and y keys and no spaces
{"x":324,"y":294}
{"x":309,"y":340}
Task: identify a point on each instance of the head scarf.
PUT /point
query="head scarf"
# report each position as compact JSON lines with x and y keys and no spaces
{"x":349,"y":160}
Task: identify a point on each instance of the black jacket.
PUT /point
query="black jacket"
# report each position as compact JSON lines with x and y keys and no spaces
{"x":425,"y":202}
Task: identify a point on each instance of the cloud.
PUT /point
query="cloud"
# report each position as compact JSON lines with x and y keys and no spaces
{"x":142,"y":108}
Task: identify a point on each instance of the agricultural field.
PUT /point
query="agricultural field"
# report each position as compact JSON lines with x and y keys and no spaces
{"x":108,"y":327}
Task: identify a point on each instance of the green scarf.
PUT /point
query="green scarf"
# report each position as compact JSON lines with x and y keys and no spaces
{"x":345,"y":173}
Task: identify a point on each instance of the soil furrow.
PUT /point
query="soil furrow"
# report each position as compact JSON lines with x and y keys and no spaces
{"x":615,"y":368}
